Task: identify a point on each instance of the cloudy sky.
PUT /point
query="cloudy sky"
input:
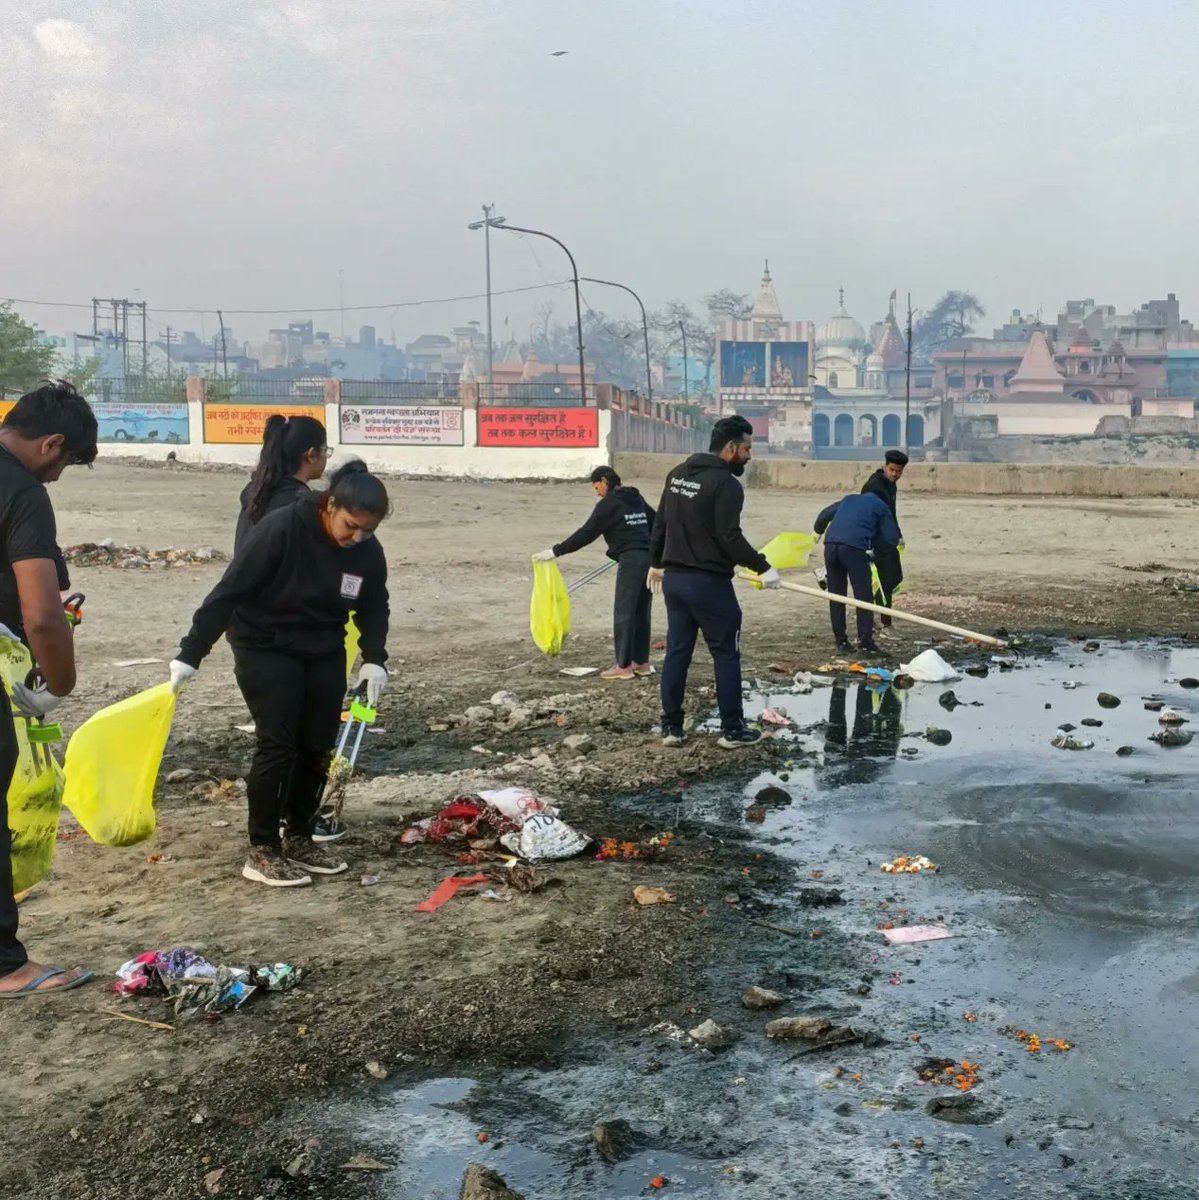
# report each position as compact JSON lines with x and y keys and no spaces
{"x":242,"y":153}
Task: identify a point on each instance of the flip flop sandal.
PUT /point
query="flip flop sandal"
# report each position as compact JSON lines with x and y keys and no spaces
{"x":34,"y":986}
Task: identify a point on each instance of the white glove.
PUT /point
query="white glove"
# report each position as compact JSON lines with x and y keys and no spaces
{"x":181,"y":672}
{"x":375,"y":678}
{"x":902,"y":544}
{"x":33,"y":703}
{"x":653,"y":580}
{"x":772,"y":579}
{"x":544,"y":556}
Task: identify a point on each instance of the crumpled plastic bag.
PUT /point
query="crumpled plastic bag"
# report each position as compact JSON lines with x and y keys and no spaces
{"x":549,"y":610}
{"x":545,"y":836}
{"x":929,"y":667}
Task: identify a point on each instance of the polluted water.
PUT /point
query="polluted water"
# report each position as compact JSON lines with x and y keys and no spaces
{"x":1048,"y":1048}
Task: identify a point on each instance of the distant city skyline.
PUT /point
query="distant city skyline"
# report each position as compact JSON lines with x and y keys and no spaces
{"x":288,"y":153}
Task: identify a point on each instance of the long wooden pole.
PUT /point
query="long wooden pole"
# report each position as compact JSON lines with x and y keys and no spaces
{"x":986,"y":639}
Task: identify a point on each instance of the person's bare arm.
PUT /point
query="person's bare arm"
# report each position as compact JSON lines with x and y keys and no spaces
{"x":45,"y":622}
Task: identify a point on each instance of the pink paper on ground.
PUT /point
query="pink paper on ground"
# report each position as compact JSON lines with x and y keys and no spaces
{"x":916,"y":933}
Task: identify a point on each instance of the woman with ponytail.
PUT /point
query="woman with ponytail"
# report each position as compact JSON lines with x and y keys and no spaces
{"x":284,"y":600}
{"x":294,"y":453}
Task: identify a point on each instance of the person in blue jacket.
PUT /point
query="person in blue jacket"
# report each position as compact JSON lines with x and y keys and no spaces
{"x":854,"y":528}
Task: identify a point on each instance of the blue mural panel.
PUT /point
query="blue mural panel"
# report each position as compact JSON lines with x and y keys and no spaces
{"x":140,"y":422}
{"x":742,"y":364}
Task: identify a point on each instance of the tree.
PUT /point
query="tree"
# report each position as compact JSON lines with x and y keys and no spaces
{"x":23,"y":361}
{"x":951,"y":317}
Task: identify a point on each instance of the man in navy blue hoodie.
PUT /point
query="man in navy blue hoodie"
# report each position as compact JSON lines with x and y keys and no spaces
{"x":854,"y":528}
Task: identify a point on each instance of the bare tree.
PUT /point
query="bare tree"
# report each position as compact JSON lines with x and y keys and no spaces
{"x":952,"y":317}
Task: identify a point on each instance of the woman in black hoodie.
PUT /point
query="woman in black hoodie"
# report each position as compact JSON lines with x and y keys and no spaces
{"x":294,"y":453}
{"x":624,"y":520}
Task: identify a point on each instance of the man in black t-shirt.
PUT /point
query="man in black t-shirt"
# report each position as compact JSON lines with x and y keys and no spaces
{"x":47,"y":431}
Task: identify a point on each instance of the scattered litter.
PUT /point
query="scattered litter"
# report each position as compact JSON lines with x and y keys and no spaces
{"x":137,"y":662}
{"x":492,"y":894}
{"x":108,"y":554}
{"x":1034,"y":1043}
{"x":220,"y":824}
{"x":1171,"y":737}
{"x":775,"y":716}
{"x":911,"y":934}
{"x":369,"y":880}
{"x":646,"y":896}
{"x":1171,"y":716}
{"x":160,"y":858}
{"x":447,"y":889}
{"x":652,"y":848}
{"x":1065,"y":741}
{"x":116,"y":1015}
{"x":929,"y":667}
{"x":909,"y":865}
{"x":578,"y":672}
{"x":197,"y":985}
{"x":1071,"y":684}
{"x":948,"y":1072}
{"x":245,"y":728}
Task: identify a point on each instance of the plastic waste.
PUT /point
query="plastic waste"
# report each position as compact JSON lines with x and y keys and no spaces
{"x":351,"y":646}
{"x":35,"y":794}
{"x":909,"y":935}
{"x":549,"y":610}
{"x":543,"y":837}
{"x":1066,"y":741}
{"x":787,"y":550}
{"x":112,"y":766}
{"x":197,"y":985}
{"x":929,"y":667}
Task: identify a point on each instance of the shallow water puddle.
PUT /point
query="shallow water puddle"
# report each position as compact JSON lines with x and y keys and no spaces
{"x":1070,"y":880}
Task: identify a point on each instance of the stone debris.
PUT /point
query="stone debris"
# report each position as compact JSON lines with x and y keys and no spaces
{"x":711,"y":1036}
{"x":760,"y":997}
{"x":482,"y":1183}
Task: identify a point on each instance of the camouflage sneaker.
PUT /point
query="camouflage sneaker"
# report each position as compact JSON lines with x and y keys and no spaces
{"x":321,"y":860}
{"x":266,"y":865}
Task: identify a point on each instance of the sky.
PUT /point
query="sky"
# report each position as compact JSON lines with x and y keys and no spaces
{"x":301,"y":154}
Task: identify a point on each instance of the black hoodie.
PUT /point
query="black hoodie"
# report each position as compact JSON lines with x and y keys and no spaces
{"x":699,"y":521}
{"x":622,"y":518}
{"x":884,"y":489}
{"x":287,"y":491}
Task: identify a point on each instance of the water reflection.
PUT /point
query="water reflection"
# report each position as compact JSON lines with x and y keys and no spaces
{"x":861,"y":754}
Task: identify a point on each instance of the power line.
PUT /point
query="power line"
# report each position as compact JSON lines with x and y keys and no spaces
{"x":280,"y":312}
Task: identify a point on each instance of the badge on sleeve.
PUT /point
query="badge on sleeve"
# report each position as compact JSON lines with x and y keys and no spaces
{"x":351,"y":586}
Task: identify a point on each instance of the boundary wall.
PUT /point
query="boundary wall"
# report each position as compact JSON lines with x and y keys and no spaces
{"x":950,"y":479}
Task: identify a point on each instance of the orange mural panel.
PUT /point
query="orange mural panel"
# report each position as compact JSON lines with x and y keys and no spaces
{"x":242,"y":424}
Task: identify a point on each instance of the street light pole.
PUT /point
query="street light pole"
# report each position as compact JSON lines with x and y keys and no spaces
{"x":686,"y":372}
{"x":489,"y":219}
{"x":649,"y":379}
{"x":574,"y":270}
{"x":907,"y":382}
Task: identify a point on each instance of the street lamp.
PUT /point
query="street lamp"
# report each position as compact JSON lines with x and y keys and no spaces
{"x":649,"y":379}
{"x":574,"y":270}
{"x":686,"y":374}
{"x":489,"y":221}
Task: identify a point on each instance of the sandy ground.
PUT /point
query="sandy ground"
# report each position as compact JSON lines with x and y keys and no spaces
{"x":83,"y":1098}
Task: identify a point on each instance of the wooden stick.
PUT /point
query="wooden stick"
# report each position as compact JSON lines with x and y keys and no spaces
{"x":833,"y":597}
{"x":120,"y":1016}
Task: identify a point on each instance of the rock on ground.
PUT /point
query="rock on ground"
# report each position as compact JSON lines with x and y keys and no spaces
{"x":482,"y":1183}
{"x":798,"y":1027}
{"x":760,"y":997}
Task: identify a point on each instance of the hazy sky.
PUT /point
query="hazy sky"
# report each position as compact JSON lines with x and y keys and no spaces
{"x":239,"y":153}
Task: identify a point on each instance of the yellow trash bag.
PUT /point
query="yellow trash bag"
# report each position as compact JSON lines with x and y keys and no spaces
{"x":35,"y":794}
{"x":112,"y":766}
{"x":351,"y":646}
{"x":788,"y":550}
{"x":549,"y":612}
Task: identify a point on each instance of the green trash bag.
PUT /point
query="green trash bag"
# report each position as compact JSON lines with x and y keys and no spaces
{"x":549,"y":612}
{"x":35,"y":794}
{"x":112,"y":767}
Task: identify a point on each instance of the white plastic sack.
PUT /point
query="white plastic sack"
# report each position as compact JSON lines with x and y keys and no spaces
{"x":929,"y":667}
{"x":516,"y":803}
{"x":544,"y":836}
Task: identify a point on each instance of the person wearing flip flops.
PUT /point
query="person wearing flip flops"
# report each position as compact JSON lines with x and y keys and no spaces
{"x":48,"y":430}
{"x":624,"y":520}
{"x":284,"y":600}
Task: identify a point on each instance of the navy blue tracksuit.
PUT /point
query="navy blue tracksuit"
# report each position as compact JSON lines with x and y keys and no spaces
{"x":853,"y":526}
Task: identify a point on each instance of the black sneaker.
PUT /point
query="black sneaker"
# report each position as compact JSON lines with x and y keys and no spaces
{"x":327,"y":828}
{"x":869,"y":648}
{"x":844,"y":648}
{"x":673,"y":735}
{"x":736,"y":739}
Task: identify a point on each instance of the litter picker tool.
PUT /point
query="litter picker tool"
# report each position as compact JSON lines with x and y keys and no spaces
{"x":590,"y":577}
{"x":359,"y":716}
{"x":849,"y":602}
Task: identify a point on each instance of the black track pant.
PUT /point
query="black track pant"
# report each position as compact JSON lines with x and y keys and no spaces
{"x":296,"y":706}
{"x":630,"y":609}
{"x":12,"y":953}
